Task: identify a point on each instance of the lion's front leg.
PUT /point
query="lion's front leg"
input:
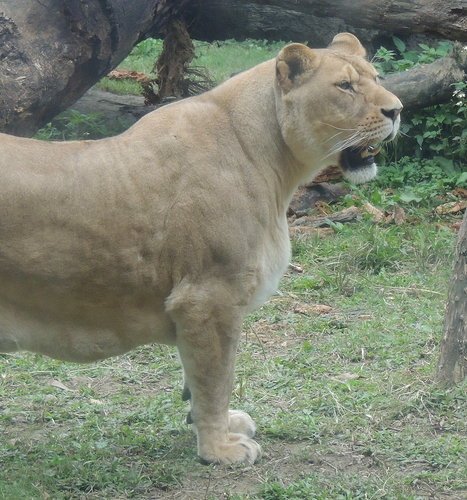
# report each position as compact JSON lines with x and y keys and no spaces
{"x":239,"y":421}
{"x":207,"y":345}
{"x":223,"y":436}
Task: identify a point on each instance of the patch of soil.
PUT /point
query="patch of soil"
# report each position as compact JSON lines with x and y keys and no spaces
{"x":285,"y":462}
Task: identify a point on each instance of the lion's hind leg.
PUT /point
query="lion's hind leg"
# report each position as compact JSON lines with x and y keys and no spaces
{"x":207,"y":337}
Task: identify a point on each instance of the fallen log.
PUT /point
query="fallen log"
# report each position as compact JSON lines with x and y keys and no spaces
{"x":306,"y":197}
{"x":316,"y":21}
{"x":113,"y":108}
{"x":351,"y":214}
{"x":428,"y":84}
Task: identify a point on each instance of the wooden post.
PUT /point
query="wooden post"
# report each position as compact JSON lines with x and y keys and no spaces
{"x":452,"y":367}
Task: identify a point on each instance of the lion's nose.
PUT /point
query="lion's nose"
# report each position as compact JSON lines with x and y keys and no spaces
{"x":392,"y":113}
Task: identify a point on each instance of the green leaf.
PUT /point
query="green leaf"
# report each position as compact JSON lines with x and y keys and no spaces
{"x":399,"y":44}
{"x":336,"y":226}
{"x":409,"y":197}
{"x":462,"y":179}
{"x":376,"y":198}
{"x":445,"y":163}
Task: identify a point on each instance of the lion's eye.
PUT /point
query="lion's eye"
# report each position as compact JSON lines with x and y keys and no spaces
{"x":345,"y":85}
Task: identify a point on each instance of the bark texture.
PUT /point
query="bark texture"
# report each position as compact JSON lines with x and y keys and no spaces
{"x":179,"y":47}
{"x":52,"y":51}
{"x":172,"y":65}
{"x":452,"y":367}
{"x":316,"y":21}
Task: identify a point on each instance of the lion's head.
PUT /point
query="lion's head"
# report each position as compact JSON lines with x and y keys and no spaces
{"x":331,"y":106}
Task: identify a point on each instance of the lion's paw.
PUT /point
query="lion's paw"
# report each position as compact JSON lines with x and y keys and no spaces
{"x":236,"y":450}
{"x":241,"y":423}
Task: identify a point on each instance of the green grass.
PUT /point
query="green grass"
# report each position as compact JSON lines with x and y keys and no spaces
{"x":72,"y":125}
{"x":228,"y":57}
{"x":345,"y":402}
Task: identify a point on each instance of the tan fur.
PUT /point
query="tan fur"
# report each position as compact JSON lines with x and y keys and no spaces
{"x":173,"y":231}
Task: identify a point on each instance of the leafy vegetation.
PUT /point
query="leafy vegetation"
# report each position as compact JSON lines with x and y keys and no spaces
{"x":436,"y":131}
{"x":428,"y":161}
{"x":392,"y":61}
{"x":415,"y":184}
{"x":73,"y":125}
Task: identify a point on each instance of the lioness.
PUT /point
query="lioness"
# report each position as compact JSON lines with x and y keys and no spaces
{"x":176,"y":229}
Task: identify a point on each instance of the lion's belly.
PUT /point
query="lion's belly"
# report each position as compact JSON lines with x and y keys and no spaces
{"x":69,"y":339}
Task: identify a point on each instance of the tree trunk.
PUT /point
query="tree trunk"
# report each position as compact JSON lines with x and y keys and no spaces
{"x":317,"y":21}
{"x":172,"y":65}
{"x":52,"y":51}
{"x":452,"y":367}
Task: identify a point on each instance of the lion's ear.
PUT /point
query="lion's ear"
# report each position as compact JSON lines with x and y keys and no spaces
{"x":349,"y":44}
{"x":291,"y":62}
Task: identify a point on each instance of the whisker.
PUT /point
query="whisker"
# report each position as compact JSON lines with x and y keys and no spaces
{"x":357,"y":138}
{"x":344,"y":144}
{"x":332,"y":137}
{"x":353,"y":139}
{"x":337,"y":128}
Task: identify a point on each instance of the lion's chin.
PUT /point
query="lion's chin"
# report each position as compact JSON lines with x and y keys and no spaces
{"x":362,"y":175}
{"x":358,"y":164}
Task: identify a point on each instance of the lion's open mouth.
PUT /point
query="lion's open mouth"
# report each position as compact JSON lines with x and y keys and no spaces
{"x":356,"y":158}
{"x":358,"y":163}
